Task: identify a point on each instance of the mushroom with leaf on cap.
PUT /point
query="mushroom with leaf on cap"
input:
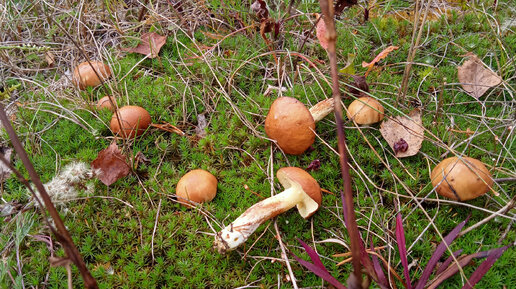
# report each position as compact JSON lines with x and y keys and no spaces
{"x":197,"y":186}
{"x":292,"y":125}
{"x":301,"y":190}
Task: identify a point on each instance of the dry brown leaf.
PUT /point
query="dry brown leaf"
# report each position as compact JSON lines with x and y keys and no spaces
{"x":112,"y":165}
{"x":410,"y":129}
{"x":475,"y":77}
{"x":150,"y":45}
{"x":378,"y":57}
{"x":5,"y":172}
{"x":320,"y":32}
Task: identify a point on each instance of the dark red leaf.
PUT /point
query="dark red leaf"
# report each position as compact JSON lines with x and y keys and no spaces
{"x":317,"y":268}
{"x":438,"y":253}
{"x":484,"y":267}
{"x":259,"y":7}
{"x":112,"y":165}
{"x":447,"y":263}
{"x":341,"y":4}
{"x":382,"y":280}
{"x":400,"y":239}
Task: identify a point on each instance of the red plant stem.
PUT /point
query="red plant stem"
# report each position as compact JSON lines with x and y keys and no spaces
{"x":331,"y":34}
{"x":62,"y":234}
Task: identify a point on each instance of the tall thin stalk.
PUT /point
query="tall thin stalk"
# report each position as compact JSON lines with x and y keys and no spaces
{"x":331,"y":34}
{"x":62,"y":234}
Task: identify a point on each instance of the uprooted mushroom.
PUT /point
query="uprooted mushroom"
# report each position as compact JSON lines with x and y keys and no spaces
{"x":301,"y":190}
{"x":292,"y":125}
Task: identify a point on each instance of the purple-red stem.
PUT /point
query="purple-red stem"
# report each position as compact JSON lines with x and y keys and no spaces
{"x":331,"y":34}
{"x":62,"y":233}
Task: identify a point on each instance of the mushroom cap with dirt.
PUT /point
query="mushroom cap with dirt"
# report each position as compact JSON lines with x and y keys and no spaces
{"x":84,"y":74}
{"x":461,"y":178}
{"x":365,"y":110}
{"x":198,"y":186}
{"x":301,"y":191}
{"x":291,"y":125}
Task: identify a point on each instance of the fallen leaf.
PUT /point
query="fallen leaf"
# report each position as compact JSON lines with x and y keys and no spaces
{"x":259,"y":7}
{"x":320,"y":32}
{"x":150,"y":45}
{"x":314,"y":165}
{"x":403,"y":129}
{"x":475,"y":77}
{"x":112,"y":165}
{"x":349,"y":68}
{"x":5,"y":172}
{"x":50,"y":58}
{"x":359,"y":85}
{"x":341,"y":4}
{"x":378,"y":57}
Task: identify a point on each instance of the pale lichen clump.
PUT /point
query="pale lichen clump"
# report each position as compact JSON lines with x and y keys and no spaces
{"x":68,"y":184}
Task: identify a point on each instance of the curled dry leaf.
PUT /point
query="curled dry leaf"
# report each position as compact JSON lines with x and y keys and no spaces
{"x":475,"y":77}
{"x":378,"y":57}
{"x":410,"y":129}
{"x":150,"y":45}
{"x":5,"y":172}
{"x":320,"y":32}
{"x":112,"y":165}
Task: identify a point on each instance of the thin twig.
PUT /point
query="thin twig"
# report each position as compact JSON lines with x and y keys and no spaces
{"x":331,"y":35}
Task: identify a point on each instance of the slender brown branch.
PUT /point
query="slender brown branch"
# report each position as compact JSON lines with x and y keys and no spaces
{"x":62,"y":234}
{"x":328,"y":11}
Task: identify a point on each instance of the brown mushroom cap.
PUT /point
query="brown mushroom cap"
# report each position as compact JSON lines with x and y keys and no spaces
{"x":310,"y":186}
{"x":461,"y":178}
{"x":105,"y":103}
{"x":134,"y":120}
{"x":84,"y":75}
{"x":290,"y":123}
{"x":365,"y":110}
{"x":198,"y":186}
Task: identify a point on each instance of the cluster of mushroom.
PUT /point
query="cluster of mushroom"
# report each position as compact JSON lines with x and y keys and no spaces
{"x":126,"y":122}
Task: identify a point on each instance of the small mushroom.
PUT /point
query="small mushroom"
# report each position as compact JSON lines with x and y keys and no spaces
{"x":84,"y":74}
{"x":292,"y":125}
{"x":198,"y":186}
{"x":106,"y":103}
{"x":133,"y":119}
{"x":461,"y":179}
{"x":301,"y":190}
{"x":365,"y":110}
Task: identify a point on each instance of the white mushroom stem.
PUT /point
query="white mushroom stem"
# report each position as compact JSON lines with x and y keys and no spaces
{"x":237,"y":232}
{"x":322,"y":109}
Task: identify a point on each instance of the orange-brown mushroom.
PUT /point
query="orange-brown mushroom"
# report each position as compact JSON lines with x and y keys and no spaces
{"x":198,"y":186}
{"x":365,"y":110}
{"x":290,"y":123}
{"x":84,"y":74}
{"x":134,"y":120}
{"x":461,"y":179}
{"x":106,"y":102}
{"x":301,"y":191}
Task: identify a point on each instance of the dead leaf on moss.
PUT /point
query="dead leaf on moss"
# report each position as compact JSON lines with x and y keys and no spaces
{"x":378,"y":57}
{"x":150,"y":45}
{"x":112,"y":165}
{"x":410,"y":129}
{"x":320,"y":32}
{"x":475,"y":77}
